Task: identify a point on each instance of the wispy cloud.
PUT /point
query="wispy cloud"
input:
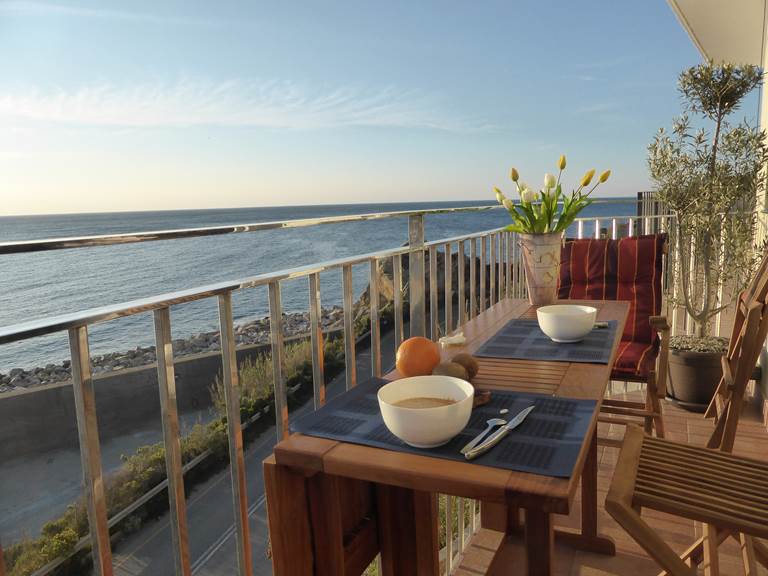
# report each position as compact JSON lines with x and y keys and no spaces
{"x":605,"y":64}
{"x":33,"y":8}
{"x":598,"y":108}
{"x":580,"y":77}
{"x":269,"y":104}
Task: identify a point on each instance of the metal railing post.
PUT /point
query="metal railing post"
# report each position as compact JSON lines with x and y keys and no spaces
{"x":177,"y":504}
{"x":90,"y":451}
{"x":483,"y":270}
{"x":373,"y":293}
{"x":418,"y":320}
{"x":448,"y":272}
{"x":234,"y":430}
{"x":473,"y":278}
{"x":509,"y":265}
{"x":434,"y":318}
{"x":397,"y":281}
{"x":448,"y":534}
{"x":492,"y":270}
{"x":316,"y":335}
{"x":500,"y":264}
{"x":278,"y":359}
{"x":460,"y":273}
{"x":350,"y":361}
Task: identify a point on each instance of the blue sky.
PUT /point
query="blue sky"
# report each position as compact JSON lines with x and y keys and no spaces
{"x":170,"y":105}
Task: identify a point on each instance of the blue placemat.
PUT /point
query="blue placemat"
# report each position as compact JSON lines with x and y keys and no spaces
{"x":546,"y":443}
{"x":524,"y":340}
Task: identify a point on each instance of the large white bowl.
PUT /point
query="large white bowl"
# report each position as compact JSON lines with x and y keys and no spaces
{"x":566,"y":322}
{"x":426,"y":427}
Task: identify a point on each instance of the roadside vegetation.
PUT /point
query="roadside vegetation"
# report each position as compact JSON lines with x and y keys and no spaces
{"x":145,"y":469}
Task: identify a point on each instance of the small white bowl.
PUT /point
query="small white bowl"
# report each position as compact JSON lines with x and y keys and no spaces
{"x":426,"y":427}
{"x":566,"y":322}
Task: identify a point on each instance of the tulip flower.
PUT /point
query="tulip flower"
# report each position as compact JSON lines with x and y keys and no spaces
{"x":548,"y":210}
{"x":587,"y":178}
{"x":527,"y":195}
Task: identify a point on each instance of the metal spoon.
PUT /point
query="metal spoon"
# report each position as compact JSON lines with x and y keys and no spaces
{"x":492,"y":423}
{"x":497,"y":436}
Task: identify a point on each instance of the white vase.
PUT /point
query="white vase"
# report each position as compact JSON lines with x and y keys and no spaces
{"x":541,"y":258}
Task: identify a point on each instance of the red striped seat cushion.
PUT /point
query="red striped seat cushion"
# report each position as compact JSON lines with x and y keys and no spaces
{"x":628,"y":269}
{"x":635,"y":359}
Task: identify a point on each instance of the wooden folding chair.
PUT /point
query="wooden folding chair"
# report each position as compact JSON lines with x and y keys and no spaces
{"x":727,"y":404}
{"x":628,"y":269}
{"x":726,"y":493}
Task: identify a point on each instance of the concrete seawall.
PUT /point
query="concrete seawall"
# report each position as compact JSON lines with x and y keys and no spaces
{"x":43,"y":418}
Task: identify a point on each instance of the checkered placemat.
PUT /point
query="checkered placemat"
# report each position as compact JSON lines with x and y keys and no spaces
{"x":524,"y":340}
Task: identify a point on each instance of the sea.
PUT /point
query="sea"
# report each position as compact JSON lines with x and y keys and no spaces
{"x":37,"y":285}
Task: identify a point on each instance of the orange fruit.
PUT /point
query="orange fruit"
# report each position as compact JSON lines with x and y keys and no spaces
{"x":417,"y":356}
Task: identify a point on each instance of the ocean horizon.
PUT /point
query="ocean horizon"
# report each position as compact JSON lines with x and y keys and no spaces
{"x":42,"y":284}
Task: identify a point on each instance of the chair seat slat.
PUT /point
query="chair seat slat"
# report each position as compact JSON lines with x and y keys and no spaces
{"x":716,"y":458}
{"x":756,"y":525}
{"x":706,"y":499}
{"x":699,"y":480}
{"x":675,"y":461}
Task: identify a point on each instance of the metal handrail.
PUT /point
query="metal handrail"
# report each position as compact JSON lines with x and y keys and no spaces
{"x":47,"y":244}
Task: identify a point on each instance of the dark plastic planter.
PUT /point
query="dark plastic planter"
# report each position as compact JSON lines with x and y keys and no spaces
{"x":693,"y":378}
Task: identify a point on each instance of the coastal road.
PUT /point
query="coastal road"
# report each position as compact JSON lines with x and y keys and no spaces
{"x":210,"y":512}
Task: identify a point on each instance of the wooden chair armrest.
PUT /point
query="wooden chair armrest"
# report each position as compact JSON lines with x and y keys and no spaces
{"x":662,"y":327}
{"x":659,"y":323}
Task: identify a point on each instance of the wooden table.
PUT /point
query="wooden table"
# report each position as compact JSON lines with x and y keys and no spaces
{"x":333,"y":505}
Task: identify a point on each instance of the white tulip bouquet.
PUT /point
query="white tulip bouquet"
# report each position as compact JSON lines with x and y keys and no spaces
{"x":548,"y":211}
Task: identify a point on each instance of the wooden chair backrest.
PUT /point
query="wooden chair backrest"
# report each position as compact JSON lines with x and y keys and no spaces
{"x":750,"y":329}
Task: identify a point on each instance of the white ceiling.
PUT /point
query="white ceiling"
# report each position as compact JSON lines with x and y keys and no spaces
{"x":724,"y":30}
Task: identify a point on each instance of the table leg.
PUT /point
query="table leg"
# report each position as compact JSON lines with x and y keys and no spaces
{"x":587,"y":538}
{"x":589,"y":492}
{"x":539,"y":543}
{"x":503,"y":518}
{"x":289,"y":520}
{"x":408,"y":539}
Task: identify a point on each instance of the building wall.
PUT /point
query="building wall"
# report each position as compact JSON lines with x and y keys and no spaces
{"x":762,"y":202}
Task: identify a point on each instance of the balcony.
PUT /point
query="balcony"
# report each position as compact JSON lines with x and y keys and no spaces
{"x":177,"y":521}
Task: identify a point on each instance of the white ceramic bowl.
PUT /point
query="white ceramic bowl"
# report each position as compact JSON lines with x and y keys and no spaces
{"x":566,"y":322}
{"x":426,"y":427}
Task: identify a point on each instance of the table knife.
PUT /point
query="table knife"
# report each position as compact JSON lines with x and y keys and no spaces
{"x":497,"y":436}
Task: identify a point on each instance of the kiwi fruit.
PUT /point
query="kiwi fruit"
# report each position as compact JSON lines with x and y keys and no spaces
{"x":468,"y":362}
{"x":451,"y":369}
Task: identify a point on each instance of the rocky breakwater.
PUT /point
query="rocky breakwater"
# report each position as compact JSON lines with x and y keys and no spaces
{"x":249,"y":333}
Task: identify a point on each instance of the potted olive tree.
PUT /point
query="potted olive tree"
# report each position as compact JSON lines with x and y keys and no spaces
{"x":707,"y":175}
